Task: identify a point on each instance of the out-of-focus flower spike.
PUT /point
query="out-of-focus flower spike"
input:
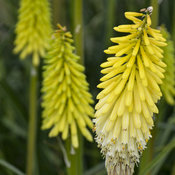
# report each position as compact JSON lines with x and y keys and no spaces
{"x":168,"y":85}
{"x":33,"y":29}
{"x":130,"y":91}
{"x":66,"y":100}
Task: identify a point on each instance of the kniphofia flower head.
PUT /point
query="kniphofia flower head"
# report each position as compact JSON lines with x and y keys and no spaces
{"x":168,"y":85}
{"x":66,"y":100}
{"x":33,"y":29}
{"x":131,"y":89}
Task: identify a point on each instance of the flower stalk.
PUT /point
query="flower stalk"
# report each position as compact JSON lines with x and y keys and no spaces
{"x":76,"y":159}
{"x":58,"y":12}
{"x":78,"y":28}
{"x":111,"y":17}
{"x":32,"y":130}
{"x":155,"y":14}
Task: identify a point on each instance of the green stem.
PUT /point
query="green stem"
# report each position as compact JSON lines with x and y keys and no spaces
{"x":71,"y":157}
{"x":58,"y":12}
{"x":75,"y":157}
{"x":78,"y":28}
{"x":76,"y":160}
{"x":155,"y":13}
{"x":31,"y":145}
{"x":110,"y":20}
{"x":80,"y":155}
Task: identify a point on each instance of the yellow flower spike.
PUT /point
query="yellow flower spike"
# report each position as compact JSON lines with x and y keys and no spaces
{"x":168,"y":85}
{"x":66,"y":100}
{"x":130,"y":91}
{"x":33,"y":29}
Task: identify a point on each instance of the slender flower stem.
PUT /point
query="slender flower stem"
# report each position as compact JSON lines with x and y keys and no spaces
{"x":78,"y":28}
{"x":31,"y":145}
{"x":58,"y":12}
{"x":110,"y":20}
{"x":78,"y":35}
{"x":71,"y":157}
{"x":155,"y":13}
{"x":80,"y":155}
{"x":75,"y":157}
{"x":76,"y":160}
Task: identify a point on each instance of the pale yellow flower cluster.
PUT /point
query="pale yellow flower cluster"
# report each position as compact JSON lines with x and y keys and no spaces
{"x":168,"y":86}
{"x":66,"y":100}
{"x":33,"y":29}
{"x":130,"y":92}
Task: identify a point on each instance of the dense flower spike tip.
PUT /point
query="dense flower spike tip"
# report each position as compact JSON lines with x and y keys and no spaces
{"x":124,"y":115}
{"x":168,"y":86}
{"x":66,"y":100}
{"x":33,"y":29}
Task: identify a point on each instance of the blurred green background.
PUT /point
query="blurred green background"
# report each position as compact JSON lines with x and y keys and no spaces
{"x":99,"y":17}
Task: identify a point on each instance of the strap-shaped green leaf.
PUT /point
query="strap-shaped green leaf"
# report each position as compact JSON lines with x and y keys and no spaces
{"x":10,"y":167}
{"x":160,"y":158}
